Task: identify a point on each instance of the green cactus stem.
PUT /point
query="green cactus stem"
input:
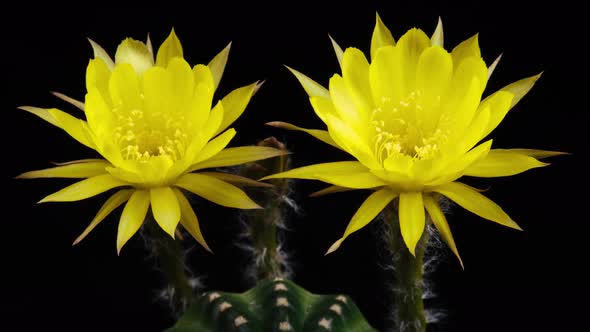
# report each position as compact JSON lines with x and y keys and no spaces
{"x":269,"y":261}
{"x":170,"y":261}
{"x":408,"y":302}
{"x":273,"y":305}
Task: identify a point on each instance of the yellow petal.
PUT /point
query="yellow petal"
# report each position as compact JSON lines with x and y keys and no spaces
{"x":234,"y":105}
{"x":214,"y":121}
{"x":204,"y":75}
{"x":75,"y":127}
{"x":393,"y":178}
{"x":312,"y":171}
{"x":78,"y":104}
{"x":502,"y":163}
{"x":43,"y":113}
{"x":124,"y":87}
{"x":237,"y":156}
{"x":493,"y":66}
{"x":433,"y":76}
{"x":344,"y":102}
{"x":456,"y":168}
{"x":155,"y":170}
{"x":169,"y":49}
{"x":183,"y":82}
{"x":132,"y":217}
{"x":157,"y":90}
{"x":386,"y":77}
{"x":538,"y":154}
{"x":216,"y":191}
{"x":78,"y":161}
{"x":100,"y":53}
{"x":462,"y":106}
{"x":322,"y":106}
{"x":440,"y":222}
{"x":217,"y":65}
{"x":466,"y":71}
{"x":78,"y":170}
{"x":410,"y":46}
{"x":85,"y":188}
{"x":98,"y":75}
{"x":370,"y":208}
{"x":165,"y":208}
{"x":134,"y":53}
{"x":215,"y":145}
{"x":337,"y":50}
{"x":411,"y":218}
{"x":476,"y":131}
{"x":148,"y":44}
{"x":363,"y":180}
{"x":499,"y":105}
{"x":322,"y":135}
{"x":100,"y":117}
{"x":520,"y":88}
{"x":351,"y":142}
{"x":202,"y":97}
{"x":475,"y":202}
{"x":111,"y":204}
{"x":466,"y":49}
{"x":329,"y":190}
{"x":355,"y":72}
{"x":189,"y":219}
{"x":236,"y":179}
{"x":381,"y":37}
{"x":312,"y":88}
{"x":437,"y":38}
{"x":125,"y":175}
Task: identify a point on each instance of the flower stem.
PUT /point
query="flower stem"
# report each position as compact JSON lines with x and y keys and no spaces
{"x":408,"y":269}
{"x":169,"y":258}
{"x":263,"y":224}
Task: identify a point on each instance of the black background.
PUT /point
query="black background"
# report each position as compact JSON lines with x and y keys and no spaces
{"x":513,"y":281}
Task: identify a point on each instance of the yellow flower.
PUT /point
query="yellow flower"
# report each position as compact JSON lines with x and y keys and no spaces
{"x":154,"y":124}
{"x":412,"y":117}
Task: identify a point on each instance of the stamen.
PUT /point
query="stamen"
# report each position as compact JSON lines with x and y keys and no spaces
{"x":141,"y":135}
{"x":399,"y":129}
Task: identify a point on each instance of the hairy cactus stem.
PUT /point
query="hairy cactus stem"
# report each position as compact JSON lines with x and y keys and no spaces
{"x":169,"y":257}
{"x":408,"y":269}
{"x":263,"y":224}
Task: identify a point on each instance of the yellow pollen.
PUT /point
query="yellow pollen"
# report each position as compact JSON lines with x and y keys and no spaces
{"x":400,"y":128}
{"x":142,"y":135}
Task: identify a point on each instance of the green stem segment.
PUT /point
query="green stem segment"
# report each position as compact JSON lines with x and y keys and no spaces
{"x":263,"y":224}
{"x":170,"y":261}
{"x":409,"y":306}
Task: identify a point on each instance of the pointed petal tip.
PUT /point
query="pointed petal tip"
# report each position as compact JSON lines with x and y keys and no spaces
{"x":206,"y":247}
{"x":77,"y":240}
{"x":257,"y":87}
{"x":24,"y":107}
{"x":334,"y":247}
{"x":44,"y":200}
{"x":290,"y":69}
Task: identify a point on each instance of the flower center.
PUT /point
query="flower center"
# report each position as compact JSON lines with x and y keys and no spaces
{"x":142,"y":135}
{"x":407,"y":127}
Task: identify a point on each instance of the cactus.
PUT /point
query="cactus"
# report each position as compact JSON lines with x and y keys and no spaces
{"x":273,"y":305}
{"x":265,"y":228}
